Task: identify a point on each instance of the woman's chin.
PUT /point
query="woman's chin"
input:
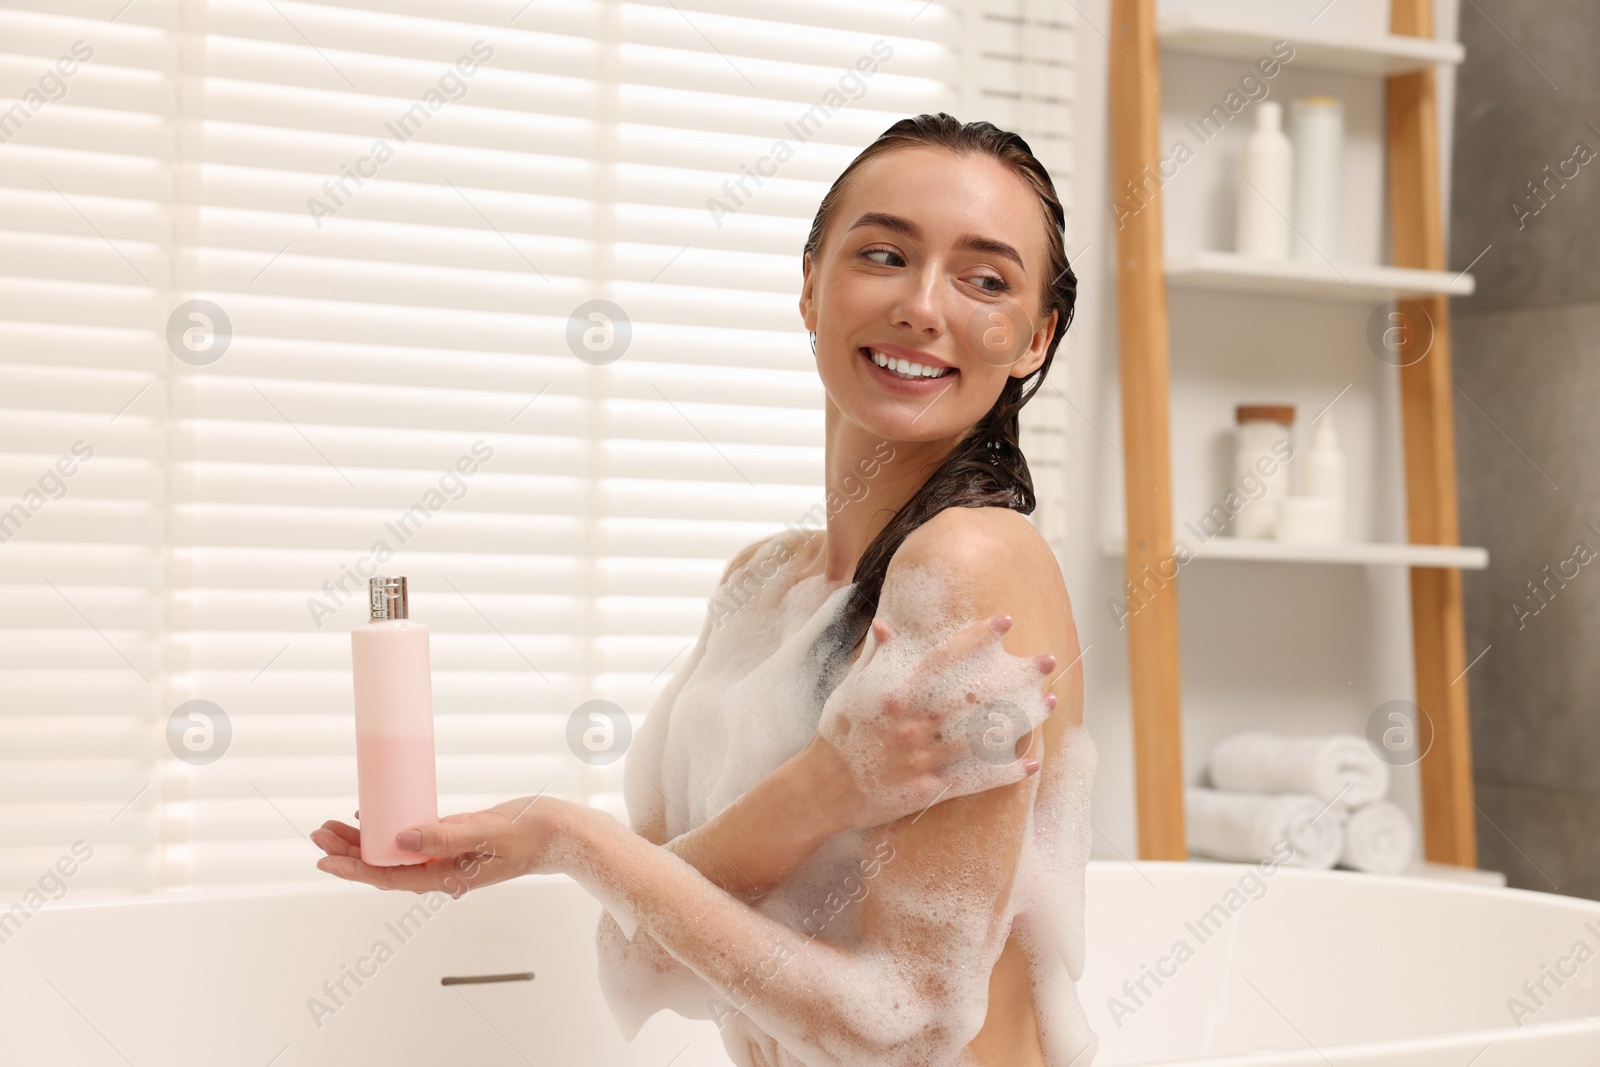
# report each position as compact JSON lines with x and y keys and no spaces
{"x":896,"y":420}
{"x":897,"y":415}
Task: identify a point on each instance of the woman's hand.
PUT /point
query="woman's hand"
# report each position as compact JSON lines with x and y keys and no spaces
{"x":888,"y":747}
{"x":469,"y":850}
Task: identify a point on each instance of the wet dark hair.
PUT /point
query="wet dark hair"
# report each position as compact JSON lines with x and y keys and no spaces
{"x":987,"y":468}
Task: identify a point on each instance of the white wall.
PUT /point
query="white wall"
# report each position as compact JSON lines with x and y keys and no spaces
{"x":1243,"y":667}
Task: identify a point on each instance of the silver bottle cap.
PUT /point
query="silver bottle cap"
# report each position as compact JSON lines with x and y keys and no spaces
{"x":388,"y":598}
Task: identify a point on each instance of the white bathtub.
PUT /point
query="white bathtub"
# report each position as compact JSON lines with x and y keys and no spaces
{"x":1319,"y":968}
{"x":1334,"y":967}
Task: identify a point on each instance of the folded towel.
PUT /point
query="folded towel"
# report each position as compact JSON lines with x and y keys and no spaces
{"x":1340,"y":766}
{"x":1247,"y":827}
{"x":1378,"y":838}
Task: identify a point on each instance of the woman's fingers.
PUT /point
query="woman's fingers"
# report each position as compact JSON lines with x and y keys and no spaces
{"x":958,"y":777}
{"x":983,"y":728}
{"x":349,"y":833}
{"x":1021,"y":770}
{"x":880,"y":634}
{"x":961,"y":644}
{"x":458,"y":853}
{"x":455,"y":875}
{"x":1030,"y":716}
{"x":337,"y":839}
{"x":968,"y":640}
{"x":450,"y":836}
{"x":415,"y":878}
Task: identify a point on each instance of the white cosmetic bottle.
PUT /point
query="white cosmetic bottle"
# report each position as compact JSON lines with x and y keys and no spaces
{"x":1317,"y":133}
{"x":1265,"y":179}
{"x":1323,"y":473}
{"x":395,"y":773}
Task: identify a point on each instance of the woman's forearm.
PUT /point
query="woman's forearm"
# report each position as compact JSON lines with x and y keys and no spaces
{"x":796,"y":988}
{"x":746,"y":850}
{"x":751,"y":846}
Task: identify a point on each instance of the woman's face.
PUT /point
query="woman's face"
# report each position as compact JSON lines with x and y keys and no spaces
{"x":937,"y":259}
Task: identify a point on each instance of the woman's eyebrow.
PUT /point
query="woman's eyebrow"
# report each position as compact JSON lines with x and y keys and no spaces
{"x":969,"y":242}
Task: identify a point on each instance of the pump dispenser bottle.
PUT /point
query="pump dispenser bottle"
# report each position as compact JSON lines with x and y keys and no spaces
{"x":1324,"y":473}
{"x":1265,"y":176}
{"x":395,"y":774}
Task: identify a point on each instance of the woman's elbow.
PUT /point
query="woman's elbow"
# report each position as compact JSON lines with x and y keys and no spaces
{"x":904,"y":1030}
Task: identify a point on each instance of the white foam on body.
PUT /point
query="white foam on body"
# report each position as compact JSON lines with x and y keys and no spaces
{"x":749,"y":697}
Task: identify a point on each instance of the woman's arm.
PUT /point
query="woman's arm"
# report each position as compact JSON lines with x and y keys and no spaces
{"x":756,"y":842}
{"x":893,"y":740}
{"x":891,"y":749}
{"x":744,"y":851}
{"x":916,"y":988}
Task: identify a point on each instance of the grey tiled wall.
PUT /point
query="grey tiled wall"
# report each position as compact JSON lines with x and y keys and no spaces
{"x":1527,"y":410}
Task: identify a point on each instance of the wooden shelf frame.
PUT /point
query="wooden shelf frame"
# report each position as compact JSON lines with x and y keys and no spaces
{"x":1417,"y":241}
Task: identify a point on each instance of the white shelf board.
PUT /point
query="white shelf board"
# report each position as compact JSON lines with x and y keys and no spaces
{"x":1359,"y":552}
{"x":1220,"y":36}
{"x":1207,"y":269}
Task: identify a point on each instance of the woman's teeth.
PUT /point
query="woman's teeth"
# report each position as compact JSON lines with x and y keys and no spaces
{"x":903,"y":368}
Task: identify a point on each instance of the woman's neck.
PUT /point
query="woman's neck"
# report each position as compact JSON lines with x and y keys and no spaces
{"x":868,"y":479}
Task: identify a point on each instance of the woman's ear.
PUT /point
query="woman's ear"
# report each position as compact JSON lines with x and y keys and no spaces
{"x":1038,"y":348}
{"x":805,"y":294}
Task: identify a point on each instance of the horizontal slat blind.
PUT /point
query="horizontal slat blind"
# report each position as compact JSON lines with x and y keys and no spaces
{"x":398,"y":207}
{"x":87,"y":128}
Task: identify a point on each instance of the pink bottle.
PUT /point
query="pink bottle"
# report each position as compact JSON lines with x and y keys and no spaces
{"x":395,"y":775}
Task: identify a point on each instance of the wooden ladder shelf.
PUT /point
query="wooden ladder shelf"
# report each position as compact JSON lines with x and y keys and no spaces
{"x":1417,"y":241}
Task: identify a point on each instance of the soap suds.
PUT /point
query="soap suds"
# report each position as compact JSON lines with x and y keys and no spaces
{"x":749,"y":697}
{"x":1000,"y":694}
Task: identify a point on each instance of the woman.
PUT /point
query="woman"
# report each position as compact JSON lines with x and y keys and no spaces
{"x":959,"y":870}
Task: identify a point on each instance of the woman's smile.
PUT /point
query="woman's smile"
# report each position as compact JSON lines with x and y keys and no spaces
{"x":933,"y":376}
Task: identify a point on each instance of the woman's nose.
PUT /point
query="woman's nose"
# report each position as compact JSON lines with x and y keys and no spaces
{"x":922,"y":306}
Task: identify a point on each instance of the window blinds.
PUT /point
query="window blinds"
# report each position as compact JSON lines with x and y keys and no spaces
{"x":294,"y":293}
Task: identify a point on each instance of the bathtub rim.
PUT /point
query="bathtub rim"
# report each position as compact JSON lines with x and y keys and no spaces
{"x":1197,"y":868}
{"x":1451,"y":1041}
{"x":1409,"y":881}
{"x":253,"y":890}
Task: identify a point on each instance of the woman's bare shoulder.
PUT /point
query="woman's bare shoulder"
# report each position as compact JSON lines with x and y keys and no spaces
{"x":792,"y":539}
{"x":740,"y":558}
{"x":1001,"y":564}
{"x":986,"y":544}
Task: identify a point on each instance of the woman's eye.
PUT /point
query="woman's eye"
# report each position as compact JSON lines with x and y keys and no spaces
{"x":1000,"y":285}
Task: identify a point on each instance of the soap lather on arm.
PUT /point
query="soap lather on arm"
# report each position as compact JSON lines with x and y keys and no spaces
{"x":936,"y":912}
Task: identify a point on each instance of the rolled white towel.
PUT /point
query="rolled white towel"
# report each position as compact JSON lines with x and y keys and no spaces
{"x":1378,"y":838}
{"x":1338,"y":766}
{"x":1248,"y":827}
